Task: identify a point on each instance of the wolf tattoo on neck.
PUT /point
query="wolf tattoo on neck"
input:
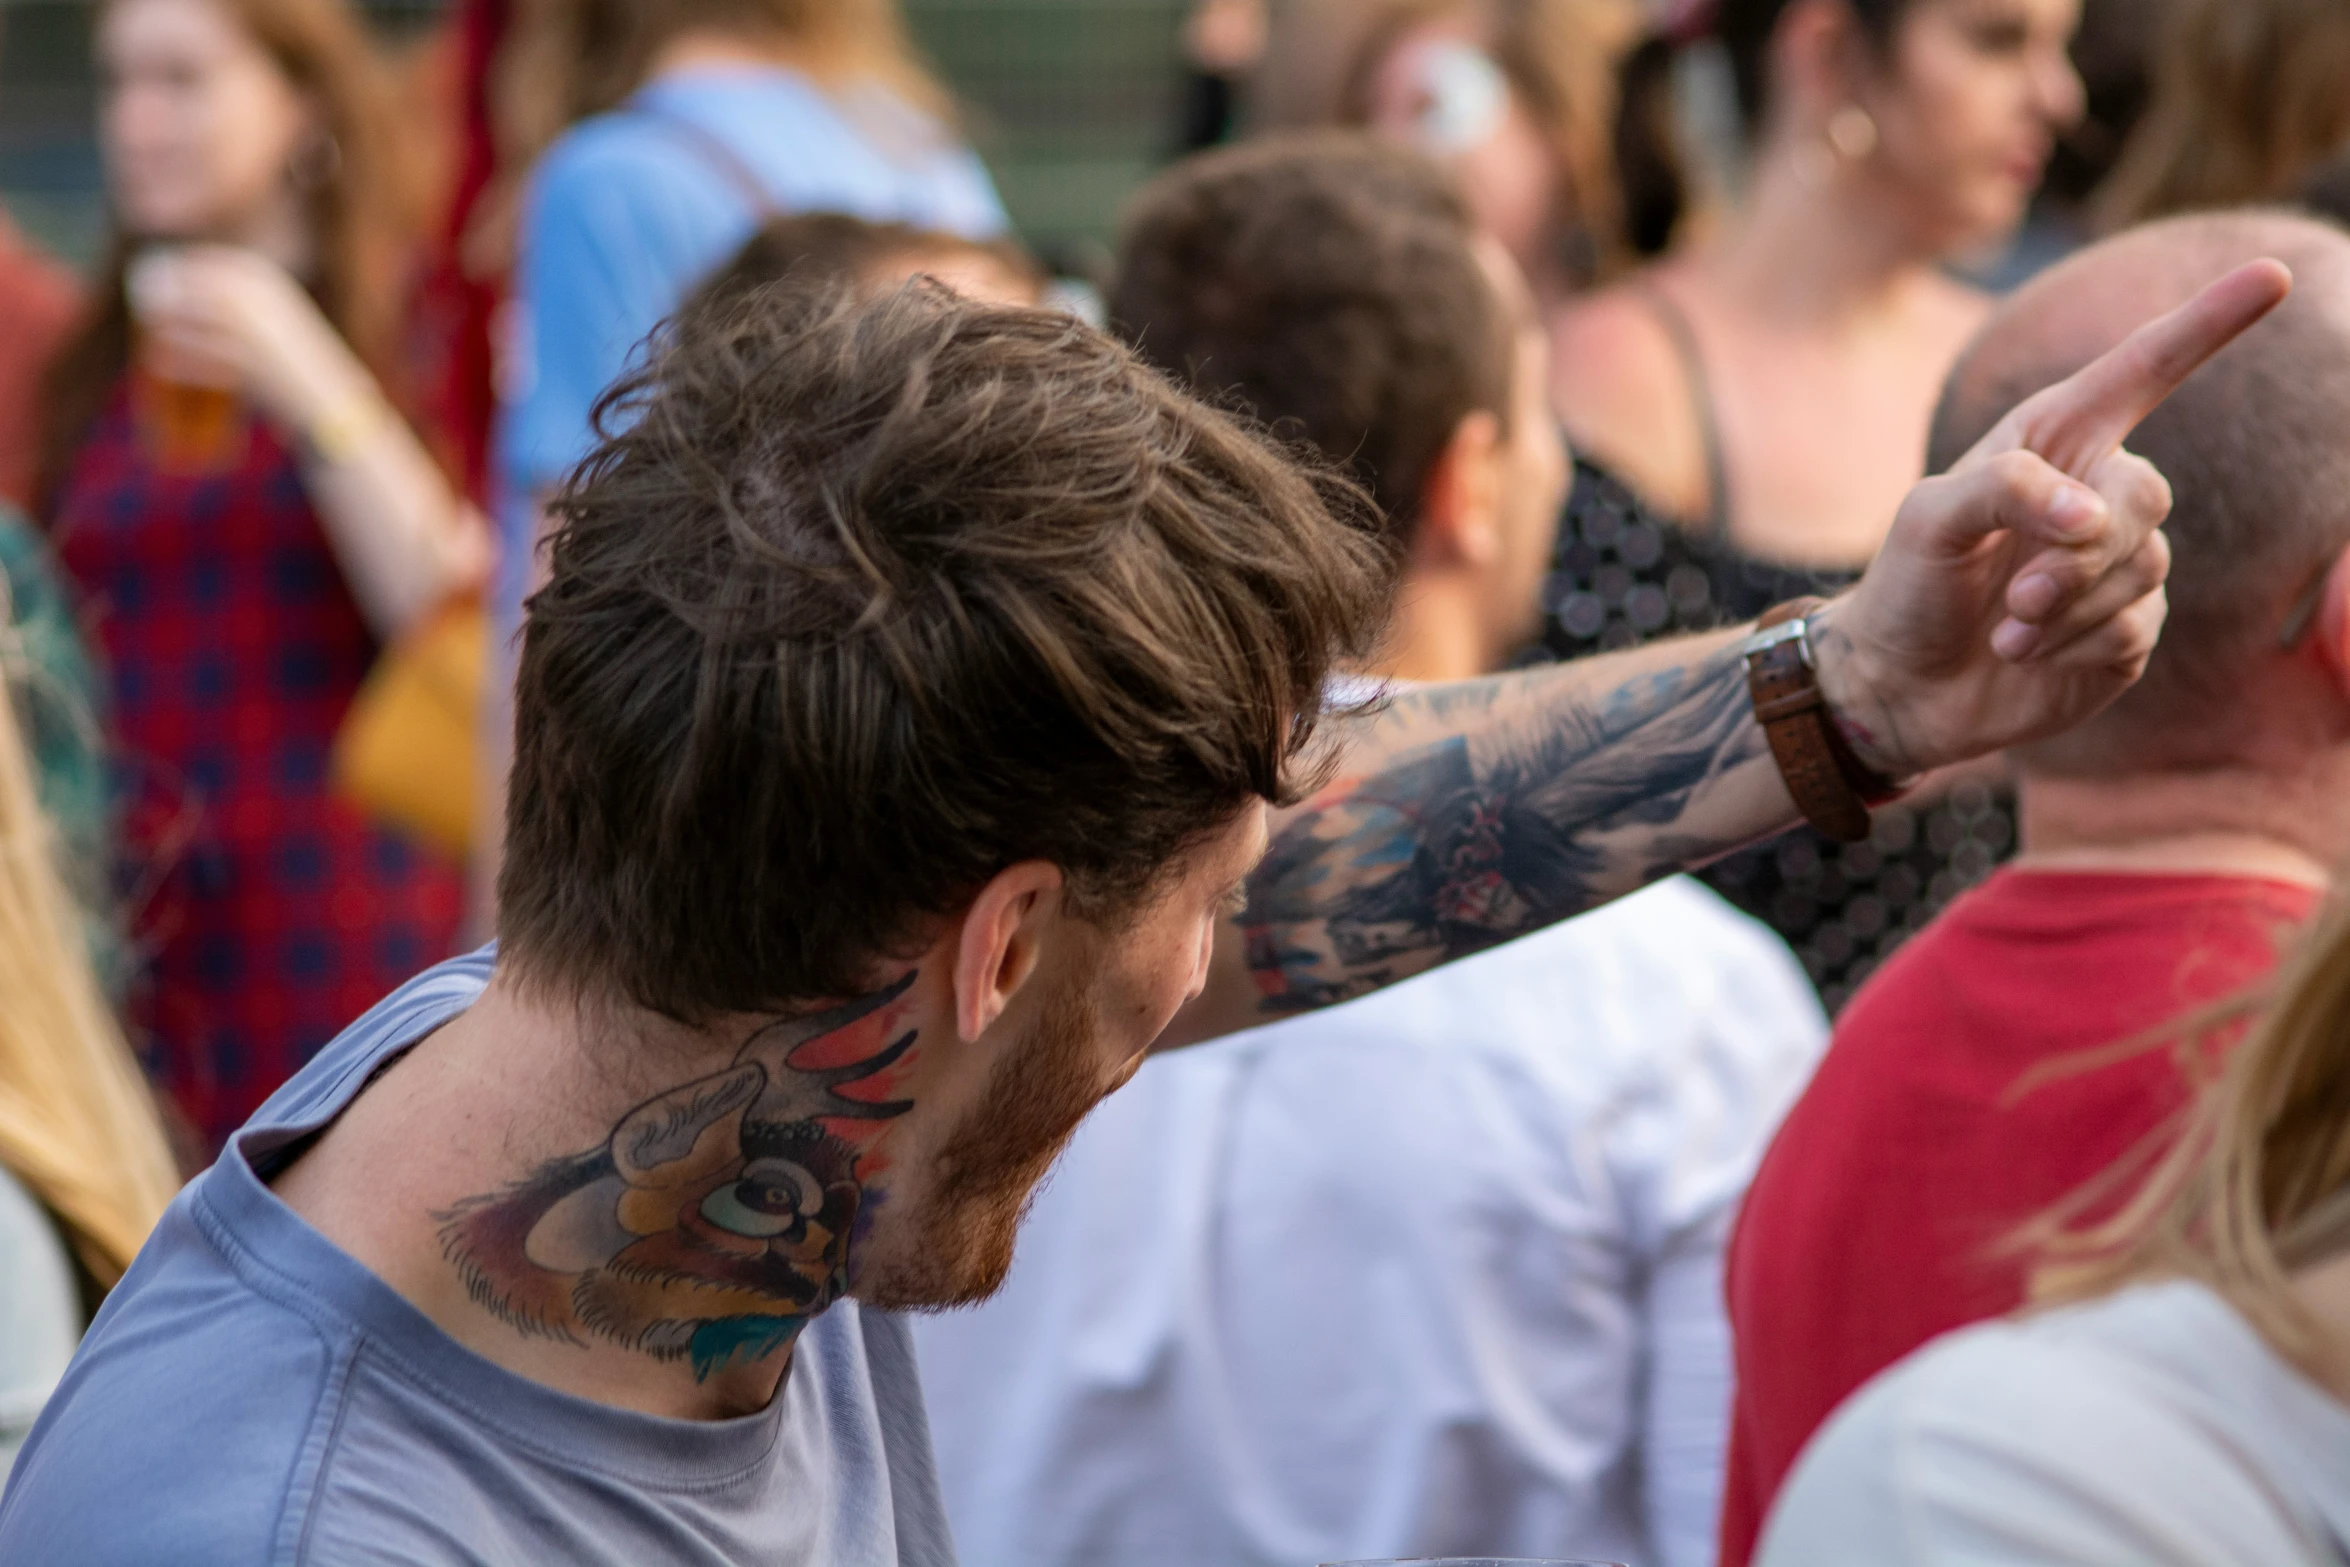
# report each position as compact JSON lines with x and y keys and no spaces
{"x":718,"y":1217}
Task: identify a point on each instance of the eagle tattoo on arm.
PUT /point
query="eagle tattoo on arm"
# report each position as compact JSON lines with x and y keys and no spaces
{"x":1538,"y":797}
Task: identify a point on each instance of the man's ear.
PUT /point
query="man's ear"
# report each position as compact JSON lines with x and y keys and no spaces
{"x":2333,"y":621}
{"x":1000,"y":942}
{"x":1460,"y":501}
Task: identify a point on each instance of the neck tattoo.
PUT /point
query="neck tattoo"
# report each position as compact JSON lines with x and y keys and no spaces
{"x":717,"y":1218}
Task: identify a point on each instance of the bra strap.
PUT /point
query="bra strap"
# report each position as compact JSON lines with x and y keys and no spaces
{"x":1675,"y":321}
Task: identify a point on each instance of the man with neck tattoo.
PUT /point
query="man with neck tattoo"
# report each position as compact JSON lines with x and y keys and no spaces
{"x":924,"y":717}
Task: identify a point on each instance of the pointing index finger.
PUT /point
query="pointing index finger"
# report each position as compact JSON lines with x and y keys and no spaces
{"x":2076,"y":423}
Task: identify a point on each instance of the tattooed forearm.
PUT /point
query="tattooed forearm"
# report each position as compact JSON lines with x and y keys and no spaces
{"x":717,"y":1218}
{"x":1558,"y":793}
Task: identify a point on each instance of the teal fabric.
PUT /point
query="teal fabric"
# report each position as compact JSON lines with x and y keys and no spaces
{"x":54,"y":688}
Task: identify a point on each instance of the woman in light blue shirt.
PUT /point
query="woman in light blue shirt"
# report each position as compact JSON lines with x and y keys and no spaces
{"x":739,"y":117}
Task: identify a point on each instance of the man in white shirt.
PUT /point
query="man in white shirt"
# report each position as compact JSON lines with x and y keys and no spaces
{"x":1438,"y":1272}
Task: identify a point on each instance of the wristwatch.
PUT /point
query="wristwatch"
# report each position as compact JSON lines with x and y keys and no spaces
{"x":1832,"y":786}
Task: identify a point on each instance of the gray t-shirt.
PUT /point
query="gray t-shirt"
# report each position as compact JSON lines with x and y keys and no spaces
{"x":250,"y":1393}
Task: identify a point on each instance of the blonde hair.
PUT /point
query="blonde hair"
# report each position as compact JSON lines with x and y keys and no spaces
{"x":2248,"y":98}
{"x":2259,"y":1185}
{"x":77,"y":1123}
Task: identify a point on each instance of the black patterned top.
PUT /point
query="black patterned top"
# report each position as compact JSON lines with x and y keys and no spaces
{"x":1623,"y":575}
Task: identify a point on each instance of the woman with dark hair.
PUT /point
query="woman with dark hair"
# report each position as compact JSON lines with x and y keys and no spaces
{"x":1773,"y":385}
{"x":252,"y":521}
{"x":1748,"y":412}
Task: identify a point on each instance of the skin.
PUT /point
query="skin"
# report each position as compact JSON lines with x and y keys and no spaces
{"x":2274,"y":807}
{"x":1225,"y":36}
{"x":1464,"y":816}
{"x":200,"y":129}
{"x":198,"y":126}
{"x":2274,"y":812}
{"x":519,"y":1086}
{"x":1821,"y":312}
{"x":2018,"y":594}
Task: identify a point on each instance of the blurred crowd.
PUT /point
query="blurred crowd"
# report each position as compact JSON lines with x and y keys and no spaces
{"x":1636,"y":320}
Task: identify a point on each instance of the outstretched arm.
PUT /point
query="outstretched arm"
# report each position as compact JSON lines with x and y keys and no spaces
{"x":2015,"y":596}
{"x":1471,"y":814}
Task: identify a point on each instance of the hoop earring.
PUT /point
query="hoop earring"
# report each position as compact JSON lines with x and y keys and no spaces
{"x":1852,"y":133}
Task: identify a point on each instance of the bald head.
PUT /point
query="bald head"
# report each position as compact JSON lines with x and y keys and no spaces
{"x":2256,"y":447}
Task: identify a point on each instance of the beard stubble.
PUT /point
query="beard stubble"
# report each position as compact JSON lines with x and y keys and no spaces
{"x":993,"y":1162}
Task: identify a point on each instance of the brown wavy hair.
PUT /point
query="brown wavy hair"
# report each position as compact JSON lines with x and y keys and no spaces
{"x":364,"y":209}
{"x":859,"y":603}
{"x":1327,"y":281}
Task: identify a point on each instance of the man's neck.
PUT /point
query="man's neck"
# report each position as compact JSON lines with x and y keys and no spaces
{"x":2281,"y":827}
{"x":1439,"y":632}
{"x":630,"y":1211}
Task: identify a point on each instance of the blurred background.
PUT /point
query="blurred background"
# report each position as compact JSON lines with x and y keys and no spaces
{"x":1071,"y":102}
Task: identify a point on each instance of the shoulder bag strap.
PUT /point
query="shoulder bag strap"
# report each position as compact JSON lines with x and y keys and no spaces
{"x":717,"y":155}
{"x":1683,"y":337}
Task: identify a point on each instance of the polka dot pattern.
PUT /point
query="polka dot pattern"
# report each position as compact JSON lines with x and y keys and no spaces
{"x":1622,"y":575}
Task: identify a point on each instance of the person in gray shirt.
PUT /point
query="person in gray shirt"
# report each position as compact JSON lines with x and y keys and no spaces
{"x":899,"y":738}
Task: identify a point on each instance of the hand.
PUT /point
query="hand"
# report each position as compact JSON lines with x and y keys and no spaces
{"x":2021,"y":592}
{"x":218,"y":315}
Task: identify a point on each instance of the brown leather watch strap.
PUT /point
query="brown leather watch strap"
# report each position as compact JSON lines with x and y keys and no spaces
{"x":1831,"y":785}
